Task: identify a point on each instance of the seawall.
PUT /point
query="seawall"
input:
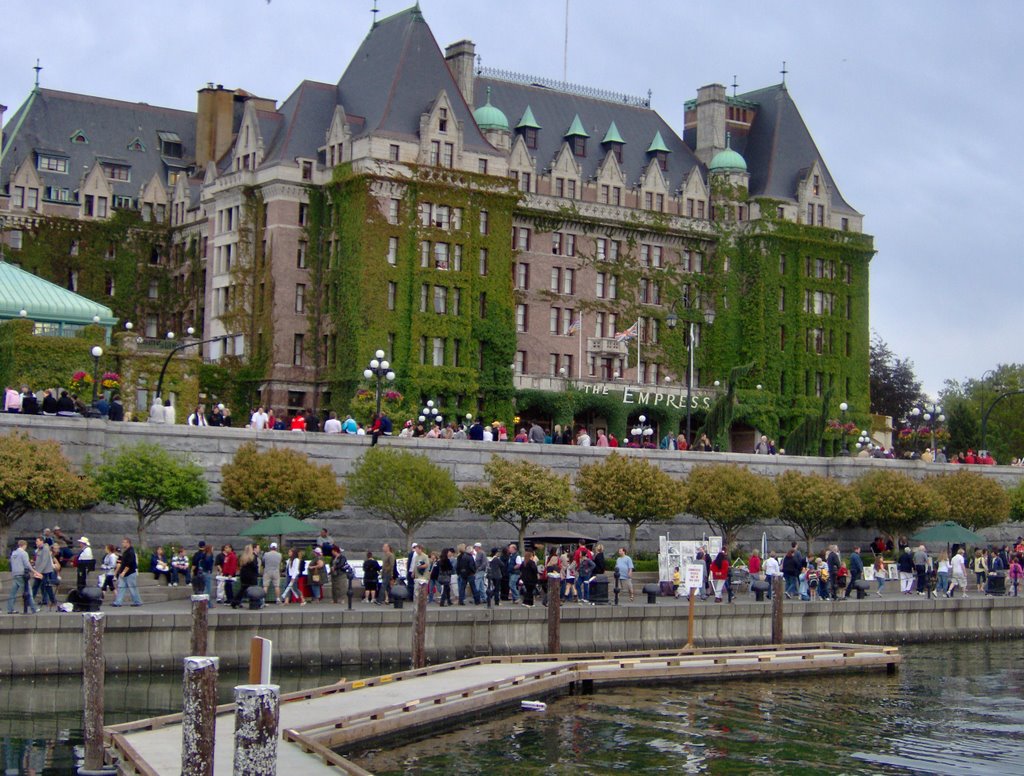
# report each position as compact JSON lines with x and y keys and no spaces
{"x":134,"y":642}
{"x":84,"y":440}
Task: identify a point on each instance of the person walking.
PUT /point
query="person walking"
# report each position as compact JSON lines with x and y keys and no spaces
{"x":47,"y":579}
{"x":856,"y":570}
{"x":371,"y":572}
{"x":980,"y":570}
{"x":943,"y":570}
{"x":127,"y":574}
{"x":294,"y":569}
{"x":920,"y":559}
{"x":905,"y":567}
{"x":624,"y":571}
{"x":340,"y":580}
{"x":21,"y":574}
{"x":495,"y":567}
{"x":272,"y":573}
{"x":771,"y":570}
{"x":881,"y":573}
{"x":387,"y":573}
{"x":528,"y":575}
{"x":958,"y":570}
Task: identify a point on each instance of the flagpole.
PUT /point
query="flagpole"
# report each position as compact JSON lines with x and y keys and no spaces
{"x":638,"y":338}
{"x":579,"y":361}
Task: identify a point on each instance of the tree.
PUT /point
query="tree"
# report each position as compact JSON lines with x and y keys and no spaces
{"x":631,"y":490}
{"x":971,"y":498}
{"x":406,"y":488}
{"x":520,"y":493}
{"x":895,"y":504}
{"x":812,"y":504}
{"x":894,"y":388}
{"x":151,"y":481}
{"x":963,"y":423}
{"x":37,"y":475}
{"x":728,"y":497}
{"x":1016,"y":495}
{"x":279,"y":480}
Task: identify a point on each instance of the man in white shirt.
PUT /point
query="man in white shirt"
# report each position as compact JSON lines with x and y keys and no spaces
{"x":583,"y":439}
{"x":959,"y":574}
{"x":258,"y":421}
{"x":771,"y":570}
{"x":332,"y":425}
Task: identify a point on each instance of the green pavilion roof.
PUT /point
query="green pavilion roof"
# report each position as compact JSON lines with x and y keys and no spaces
{"x":527,"y":121}
{"x":612,"y":135}
{"x":45,"y":301}
{"x":658,"y":144}
{"x":576,"y":128}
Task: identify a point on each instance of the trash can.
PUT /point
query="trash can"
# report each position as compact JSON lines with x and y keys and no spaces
{"x":759,"y":587}
{"x":996,"y":583}
{"x":599,"y":589}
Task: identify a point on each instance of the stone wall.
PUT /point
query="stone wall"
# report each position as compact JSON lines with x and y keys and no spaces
{"x":85,"y":440}
{"x":310,"y":637}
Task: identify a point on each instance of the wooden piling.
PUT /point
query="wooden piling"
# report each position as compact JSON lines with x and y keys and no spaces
{"x":93,"y":624}
{"x":554,"y":614}
{"x":200,"y":624}
{"x":689,"y":620}
{"x":199,"y":710}
{"x":778,"y":597}
{"x":257,"y":713}
{"x":419,"y":626}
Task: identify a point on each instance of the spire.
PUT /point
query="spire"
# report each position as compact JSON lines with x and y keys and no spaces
{"x":528,"y":121}
{"x":612,"y":135}
{"x":37,"y":68}
{"x":576,"y":128}
{"x":658,"y":144}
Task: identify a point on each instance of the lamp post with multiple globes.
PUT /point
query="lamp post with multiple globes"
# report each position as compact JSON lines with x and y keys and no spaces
{"x":379,"y":370}
{"x":642,"y":431}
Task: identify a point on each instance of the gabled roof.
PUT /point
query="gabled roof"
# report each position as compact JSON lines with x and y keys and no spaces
{"x":306,"y":115}
{"x":556,"y":109}
{"x":395,"y":77}
{"x":779,"y":148}
{"x":46,"y":301}
{"x":49,"y":118}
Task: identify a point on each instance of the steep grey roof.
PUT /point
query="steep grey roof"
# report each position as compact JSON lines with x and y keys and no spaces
{"x":306,"y":117}
{"x":396,"y":75}
{"x":555,"y":111}
{"x":53,"y":117}
{"x":779,"y":149}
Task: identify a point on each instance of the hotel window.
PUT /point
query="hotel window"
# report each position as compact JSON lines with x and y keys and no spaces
{"x":645,"y":255}
{"x":810,"y":214}
{"x":393,"y":211}
{"x":484,"y":222}
{"x":457,"y":353}
{"x":556,"y":280}
{"x":525,"y":182}
{"x":520,"y":362}
{"x":522,"y":318}
{"x":481,"y":166}
{"x":599,"y":325}
{"x":424,"y":293}
{"x":530,"y":136}
{"x":456,"y":218}
{"x":392,"y":293}
{"x":689,"y":207}
{"x":117,"y":172}
{"x":300,"y":255}
{"x":297,"y":349}
{"x":644,"y":293}
{"x":782,"y":300}
{"x":303,"y":214}
{"x":441,"y":219}
{"x":780,"y":212}
{"x":659,"y":203}
{"x":648,"y":201}
{"x":423,"y":350}
{"x":425,"y":210}
{"x":553,"y":364}
{"x":19,"y":197}
{"x":569,"y":281}
{"x":601,"y":247}
{"x":819,"y":383}
{"x":782,"y":338}
{"x":616,"y":195}
{"x":300,"y":298}
{"x":457,"y":258}
{"x":449,"y":154}
{"x":456,"y":305}
{"x":523,"y":275}
{"x":424,"y":254}
{"x":655,"y":255}
{"x":600,"y":285}
{"x":51,"y":163}
{"x":698,"y":262}
{"x":440,"y":300}
{"x":109,"y":285}
{"x":579,"y":146}
{"x":559,"y":187}
{"x":613,"y":284}
{"x":154,"y":289}
{"x":522,"y":238}
{"x":556,"y":244}
{"x":483,"y":262}
{"x":441,"y":256}
{"x":392,"y":250}
{"x":570,"y":245}
{"x":553,"y":319}
{"x":438,"y":351}
{"x":700,"y":208}
{"x":604,"y":194}
{"x":570,"y":189}
{"x":613,"y":321}
{"x":307,"y":171}
{"x":816,"y":186}
{"x":821,"y":215}
{"x":844,"y":224}
{"x":567,"y":319}
{"x":442,"y":120}
{"x":435,"y":152}
{"x":848,"y":345}
{"x":613,"y":250}
{"x":847,"y":274}
{"x":393,"y":152}
{"x":483,"y":304}
{"x":782,"y":264}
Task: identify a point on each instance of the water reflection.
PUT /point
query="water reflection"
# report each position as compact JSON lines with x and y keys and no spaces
{"x":953,"y":708}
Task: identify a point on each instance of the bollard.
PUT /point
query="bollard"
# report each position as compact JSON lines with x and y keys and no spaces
{"x":554,"y":614}
{"x":689,"y":620}
{"x":198,"y":718}
{"x":93,"y":624}
{"x":257,"y":708}
{"x":778,"y":596}
{"x":200,"y":616}
{"x":419,"y":625}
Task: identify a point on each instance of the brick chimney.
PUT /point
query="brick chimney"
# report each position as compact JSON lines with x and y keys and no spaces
{"x":461,"y":59}
{"x":710,"y":121}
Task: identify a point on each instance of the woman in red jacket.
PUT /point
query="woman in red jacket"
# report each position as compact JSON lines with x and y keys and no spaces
{"x":719,"y":574}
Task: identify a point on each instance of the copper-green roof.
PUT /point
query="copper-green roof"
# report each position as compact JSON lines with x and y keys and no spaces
{"x":576,"y":129}
{"x":45,"y":301}
{"x":658,"y":144}
{"x":527,"y":121}
{"x":612,"y":135}
{"x":489,"y":117}
{"x":728,"y":160}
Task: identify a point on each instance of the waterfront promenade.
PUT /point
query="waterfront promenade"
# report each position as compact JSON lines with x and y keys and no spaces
{"x":155,"y":637}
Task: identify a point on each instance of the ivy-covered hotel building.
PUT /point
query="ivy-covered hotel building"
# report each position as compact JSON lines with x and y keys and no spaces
{"x":493,"y":233}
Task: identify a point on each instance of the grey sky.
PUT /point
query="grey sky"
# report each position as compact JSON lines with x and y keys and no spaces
{"x":914,"y":105}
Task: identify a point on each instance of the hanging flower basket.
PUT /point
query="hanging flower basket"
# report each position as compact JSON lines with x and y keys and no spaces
{"x":111,"y":381}
{"x":81,"y":381}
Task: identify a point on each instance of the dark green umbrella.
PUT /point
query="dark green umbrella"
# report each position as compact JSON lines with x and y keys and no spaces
{"x":278,"y":524}
{"x":948,"y":532}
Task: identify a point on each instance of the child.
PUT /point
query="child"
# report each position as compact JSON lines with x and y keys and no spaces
{"x":677,"y":581}
{"x":109,"y":564}
{"x":1016,"y":573}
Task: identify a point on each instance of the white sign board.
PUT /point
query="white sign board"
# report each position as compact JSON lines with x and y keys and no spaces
{"x":673,"y":554}
{"x":694,"y":576}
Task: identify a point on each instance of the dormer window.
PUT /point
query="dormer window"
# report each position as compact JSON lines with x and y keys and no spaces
{"x":117,"y":172}
{"x":442,"y":120}
{"x":816,"y":186}
{"x":137,"y":145}
{"x":530,"y":136}
{"x":577,"y":137}
{"x":662,"y":158}
{"x":659,"y":150}
{"x":170,"y":144}
{"x":79,"y":138}
{"x":579,"y":146}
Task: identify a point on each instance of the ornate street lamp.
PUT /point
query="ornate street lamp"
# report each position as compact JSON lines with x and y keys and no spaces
{"x":379,"y":370}
{"x":671,"y":320}
{"x":932,"y":415}
{"x":431,"y":414}
{"x":96,"y":351}
{"x":864,"y":441}
{"x":843,"y":407}
{"x":642,"y":431}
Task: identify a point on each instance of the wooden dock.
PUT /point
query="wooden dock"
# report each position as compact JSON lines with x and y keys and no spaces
{"x":315,"y":722}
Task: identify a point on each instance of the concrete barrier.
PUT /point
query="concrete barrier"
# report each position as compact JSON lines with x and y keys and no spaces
{"x":84,"y":440}
{"x":51,"y":644}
